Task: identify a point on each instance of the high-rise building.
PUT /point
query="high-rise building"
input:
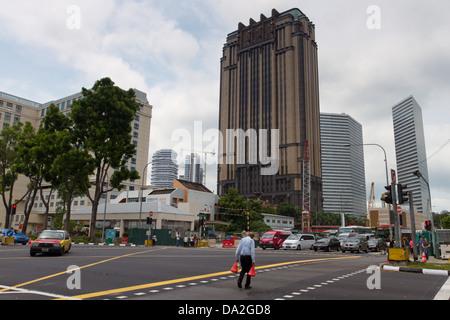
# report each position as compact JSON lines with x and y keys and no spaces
{"x":410,"y":150}
{"x":343,"y":174}
{"x":17,"y":109}
{"x":193,"y":170}
{"x":164,"y":168}
{"x":269,"y":109}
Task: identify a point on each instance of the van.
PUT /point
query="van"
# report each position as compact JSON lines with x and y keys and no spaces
{"x":299,"y":241}
{"x":273,"y":239}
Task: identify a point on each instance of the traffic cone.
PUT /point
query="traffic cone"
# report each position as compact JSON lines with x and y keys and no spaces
{"x":424,"y":258}
{"x":29,"y":243}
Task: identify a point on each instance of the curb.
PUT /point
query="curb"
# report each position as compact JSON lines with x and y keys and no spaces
{"x":416,"y":270}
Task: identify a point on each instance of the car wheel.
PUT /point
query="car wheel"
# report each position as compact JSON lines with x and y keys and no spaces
{"x":299,"y":247}
{"x":61,"y":252}
{"x":32,"y":253}
{"x":359,"y":250}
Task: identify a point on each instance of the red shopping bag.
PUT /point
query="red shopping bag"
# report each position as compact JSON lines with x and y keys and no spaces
{"x":234,"y":269}
{"x":252,"y":272}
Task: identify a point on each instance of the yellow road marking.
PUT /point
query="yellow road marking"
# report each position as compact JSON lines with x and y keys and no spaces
{"x":163,"y":283}
{"x":83,"y":267}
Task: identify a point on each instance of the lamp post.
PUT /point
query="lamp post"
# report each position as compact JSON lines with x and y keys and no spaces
{"x":387,"y":175}
{"x":430,"y":215}
{"x":141,"y":191}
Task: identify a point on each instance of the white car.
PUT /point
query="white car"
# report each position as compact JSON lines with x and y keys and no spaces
{"x":299,"y":241}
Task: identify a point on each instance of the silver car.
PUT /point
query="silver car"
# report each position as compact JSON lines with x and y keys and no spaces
{"x":355,"y":244}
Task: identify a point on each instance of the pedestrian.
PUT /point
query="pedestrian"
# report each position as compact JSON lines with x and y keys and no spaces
{"x":154,"y":239}
{"x":420,"y":245}
{"x":391,"y":243}
{"x":185,"y":241}
{"x":411,"y":249}
{"x":192,"y":240}
{"x":178,"y":238}
{"x":246,"y":252}
{"x":426,"y":246}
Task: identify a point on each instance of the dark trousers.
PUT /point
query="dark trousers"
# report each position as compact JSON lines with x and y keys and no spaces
{"x":246,"y":264}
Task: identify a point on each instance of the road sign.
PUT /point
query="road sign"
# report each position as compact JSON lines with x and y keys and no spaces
{"x":9,"y":233}
{"x":399,"y":209}
{"x":393,"y":176}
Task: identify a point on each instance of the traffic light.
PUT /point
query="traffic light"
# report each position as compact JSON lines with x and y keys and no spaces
{"x":402,"y":194}
{"x":13,"y":209}
{"x":387,"y":196}
{"x":428,"y":225}
{"x":149,"y":220}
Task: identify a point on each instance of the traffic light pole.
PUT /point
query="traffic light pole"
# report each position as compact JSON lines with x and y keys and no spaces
{"x":398,"y":238}
{"x":413,"y":224}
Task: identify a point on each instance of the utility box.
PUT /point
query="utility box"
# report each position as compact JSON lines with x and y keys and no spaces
{"x":398,"y":256}
{"x":8,"y":240}
{"x":445,"y":251}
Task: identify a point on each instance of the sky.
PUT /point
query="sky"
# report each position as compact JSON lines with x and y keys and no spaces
{"x":372,"y":54}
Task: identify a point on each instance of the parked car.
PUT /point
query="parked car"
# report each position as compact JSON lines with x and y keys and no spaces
{"x":51,"y":241}
{"x":327,"y":244}
{"x":273,"y":239}
{"x":299,"y":241}
{"x":18,"y":237}
{"x":356,"y":244}
{"x":376,"y":244}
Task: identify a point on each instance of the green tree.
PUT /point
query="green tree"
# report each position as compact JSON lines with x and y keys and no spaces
{"x":9,"y":140}
{"x":102,"y":126}
{"x":445,"y":222}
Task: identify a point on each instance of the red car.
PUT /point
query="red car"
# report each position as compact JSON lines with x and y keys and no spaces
{"x":51,"y":241}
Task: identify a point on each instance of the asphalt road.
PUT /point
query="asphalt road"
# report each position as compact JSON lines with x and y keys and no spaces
{"x":202,"y":274}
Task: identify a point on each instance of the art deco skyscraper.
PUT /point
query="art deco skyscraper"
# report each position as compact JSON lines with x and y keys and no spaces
{"x":410,"y":150}
{"x":270,"y":92}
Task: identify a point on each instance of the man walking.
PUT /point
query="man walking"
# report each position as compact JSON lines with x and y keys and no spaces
{"x":246,"y":251}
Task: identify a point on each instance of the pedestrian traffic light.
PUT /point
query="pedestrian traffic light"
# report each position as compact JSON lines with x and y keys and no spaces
{"x":387,"y":196}
{"x":13,"y":209}
{"x":428,"y":225}
{"x":149,"y":220}
{"x":402,"y":194}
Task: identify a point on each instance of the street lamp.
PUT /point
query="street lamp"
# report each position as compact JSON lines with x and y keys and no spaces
{"x":141,"y":191}
{"x":419,"y":175}
{"x":387,"y":176}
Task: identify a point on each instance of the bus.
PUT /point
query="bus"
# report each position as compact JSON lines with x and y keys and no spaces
{"x":355,"y":229}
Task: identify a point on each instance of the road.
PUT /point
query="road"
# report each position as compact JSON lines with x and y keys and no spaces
{"x":202,"y":274}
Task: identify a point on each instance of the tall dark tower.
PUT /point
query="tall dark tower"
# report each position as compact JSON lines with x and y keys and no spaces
{"x":269,"y":105}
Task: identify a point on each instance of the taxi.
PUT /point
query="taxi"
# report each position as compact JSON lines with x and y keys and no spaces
{"x":51,"y":241}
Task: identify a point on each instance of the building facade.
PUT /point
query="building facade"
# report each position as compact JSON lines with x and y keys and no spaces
{"x":269,"y":109}
{"x":343,"y":173}
{"x":193,"y":170}
{"x":410,"y":150}
{"x":164,"y":168}
{"x":17,"y":109}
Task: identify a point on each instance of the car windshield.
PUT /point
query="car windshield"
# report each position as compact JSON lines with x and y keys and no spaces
{"x":373,"y":240}
{"x":267,"y":236}
{"x":353,"y":239}
{"x":324,"y":240}
{"x":52,"y":235}
{"x":293,"y":237}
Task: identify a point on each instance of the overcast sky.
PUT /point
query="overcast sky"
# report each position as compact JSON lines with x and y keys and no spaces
{"x":372,"y":54}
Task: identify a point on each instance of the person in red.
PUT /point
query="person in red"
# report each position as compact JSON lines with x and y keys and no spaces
{"x":246,"y":252}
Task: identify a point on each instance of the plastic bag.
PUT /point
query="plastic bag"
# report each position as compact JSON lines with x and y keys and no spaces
{"x":252,"y":272}
{"x":234,"y":269}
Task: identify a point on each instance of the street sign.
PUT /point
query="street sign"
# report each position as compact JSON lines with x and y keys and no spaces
{"x":399,"y":209}
{"x":393,"y":176}
{"x":9,"y":233}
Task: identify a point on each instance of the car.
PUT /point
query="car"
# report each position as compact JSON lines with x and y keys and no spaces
{"x":18,"y":237}
{"x":344,"y":236}
{"x":51,"y":241}
{"x":376,"y":244}
{"x":273,"y":239}
{"x":356,"y":244}
{"x":327,"y":244}
{"x":299,"y":241}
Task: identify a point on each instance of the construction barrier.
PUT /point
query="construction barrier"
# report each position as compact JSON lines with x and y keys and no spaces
{"x":8,"y":240}
{"x":228,"y":243}
{"x":445,"y":252}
